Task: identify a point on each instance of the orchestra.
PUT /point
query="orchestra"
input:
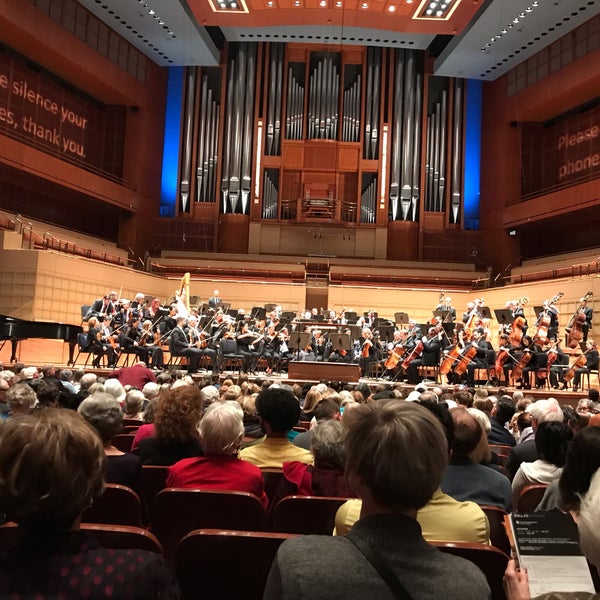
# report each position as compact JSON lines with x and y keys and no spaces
{"x":464,"y":352}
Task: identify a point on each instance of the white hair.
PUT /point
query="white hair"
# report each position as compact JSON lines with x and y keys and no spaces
{"x":150,"y":390}
{"x":589,"y":534}
{"x":222,"y":428}
{"x":115,"y":388}
{"x":546,"y":410}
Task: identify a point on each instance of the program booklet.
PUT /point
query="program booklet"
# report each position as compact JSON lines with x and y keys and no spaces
{"x":547,"y":545}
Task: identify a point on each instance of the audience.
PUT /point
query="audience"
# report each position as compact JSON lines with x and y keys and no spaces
{"x":396,"y":455}
{"x":502,"y":413}
{"x":326,"y":409}
{"x":51,"y":469}
{"x":20,"y":399}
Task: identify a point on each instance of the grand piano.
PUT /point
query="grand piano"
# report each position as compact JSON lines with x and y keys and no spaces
{"x":15,"y":330}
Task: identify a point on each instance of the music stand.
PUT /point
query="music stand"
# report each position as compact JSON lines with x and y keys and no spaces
{"x":258,"y":312}
{"x":298,"y":341}
{"x":195,"y":300}
{"x":319,"y":318}
{"x":504,"y":316}
{"x":287,"y":315}
{"x":224,"y":306}
{"x":538,"y":310}
{"x":340,"y":341}
{"x":270,"y":307}
{"x":355,"y":331}
{"x":441,"y":315}
{"x":401,"y":318}
{"x":485,"y":312}
{"x":386,"y":332}
{"x":351,"y":315}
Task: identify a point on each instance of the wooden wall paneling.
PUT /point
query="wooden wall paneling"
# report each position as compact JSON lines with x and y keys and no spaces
{"x":233,"y":234}
{"x":403,"y":240}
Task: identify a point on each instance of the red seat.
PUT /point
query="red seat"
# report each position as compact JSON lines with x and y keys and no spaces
{"x":202,"y":554}
{"x":123,"y":441}
{"x":498,"y":535}
{"x":306,"y":514}
{"x":118,"y":505}
{"x":175,"y":512}
{"x":491,"y":561}
{"x":530,"y":497}
{"x":272,"y":478}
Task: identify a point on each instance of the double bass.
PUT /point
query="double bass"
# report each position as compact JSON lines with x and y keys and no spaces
{"x":575,"y":326}
{"x":544,"y":320}
{"x":518,"y":325}
{"x":525,"y":359}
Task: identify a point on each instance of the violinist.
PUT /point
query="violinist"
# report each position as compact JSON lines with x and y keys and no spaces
{"x":150,"y":349}
{"x":203,"y":342}
{"x":591,"y":363}
{"x":432,"y":345}
{"x":179,"y":345}
{"x":484,"y":357}
{"x":446,"y":306}
{"x":319,"y":346}
{"x":124,"y":314}
{"x":97,"y":343}
{"x":285,"y":354}
{"x":101,"y":307}
{"x":246,"y":340}
{"x":271,"y":349}
{"x":368,"y":353}
{"x":138,"y":305}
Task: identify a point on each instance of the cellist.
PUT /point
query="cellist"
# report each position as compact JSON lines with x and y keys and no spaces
{"x":591,"y":363}
{"x":430,"y":357}
{"x":485,"y":357}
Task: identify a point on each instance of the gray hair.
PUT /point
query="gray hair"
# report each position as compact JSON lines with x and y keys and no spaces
{"x":86,"y":380}
{"x":546,"y":410}
{"x":151,"y":390}
{"x":222,"y":428}
{"x":482,"y":419}
{"x":21,"y":397}
{"x":327,"y":442}
{"x":134,"y":400}
{"x":103,"y":412}
{"x":115,"y":388}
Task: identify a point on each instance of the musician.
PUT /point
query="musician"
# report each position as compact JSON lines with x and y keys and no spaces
{"x":517,"y":311}
{"x":560,"y":366}
{"x":214,"y":300}
{"x":588,"y":311}
{"x":98,"y":343}
{"x":124,"y":314}
{"x":180,"y":345}
{"x":538,"y":361}
{"x":285,"y":354}
{"x":138,"y":305}
{"x":196,"y":338}
{"x":591,"y":363}
{"x":432,"y":345}
{"x":271,"y":349}
{"x":483,"y":359}
{"x":151,"y":311}
{"x":472,"y":310}
{"x":450,"y":317}
{"x":246,"y":340}
{"x":368,"y":354}
{"x":551,"y":311}
{"x":341,"y":354}
{"x":148,"y":341}
{"x":413,"y":334}
{"x":398,"y":342}
{"x":319,"y":346}
{"x":169,"y":322}
{"x":101,"y":307}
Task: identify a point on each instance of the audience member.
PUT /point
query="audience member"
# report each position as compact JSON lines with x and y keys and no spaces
{"x":502,"y":413}
{"x":278,"y":412}
{"x":137,"y":376}
{"x":20,"y":399}
{"x":51,"y":468}
{"x":103,"y":413}
{"x":396,"y":454}
{"x":221,"y":431}
{"x":133,"y":405}
{"x":465,"y":480}
{"x":326,"y":409}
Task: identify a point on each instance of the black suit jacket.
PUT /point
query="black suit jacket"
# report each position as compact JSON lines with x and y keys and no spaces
{"x":525,"y":452}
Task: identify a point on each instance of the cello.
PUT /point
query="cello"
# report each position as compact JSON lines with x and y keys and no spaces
{"x":575,"y":326}
{"x":414,"y":354}
{"x":465,"y":358}
{"x":580,"y":362}
{"x":394,"y":357}
{"x":525,"y":359}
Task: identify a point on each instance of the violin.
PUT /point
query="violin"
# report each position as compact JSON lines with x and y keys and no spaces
{"x":575,"y":327}
{"x":580,"y":362}
{"x":366,"y":348}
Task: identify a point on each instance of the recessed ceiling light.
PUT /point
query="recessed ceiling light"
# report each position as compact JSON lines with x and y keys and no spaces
{"x":364,"y":5}
{"x":323,"y":3}
{"x":391,"y":8}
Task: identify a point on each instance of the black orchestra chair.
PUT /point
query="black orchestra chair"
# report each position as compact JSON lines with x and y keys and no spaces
{"x":230,"y":356}
{"x":201,"y":555}
{"x":586,"y":375}
{"x":83,"y":348}
{"x":306,"y":514}
{"x":530,"y":497}
{"x":175,"y":512}
{"x":118,"y":505}
{"x":491,"y":561}
{"x":175,"y":360}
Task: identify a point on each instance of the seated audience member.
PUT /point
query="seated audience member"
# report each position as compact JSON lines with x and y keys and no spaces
{"x":443,"y":518}
{"x":516,"y":582}
{"x":51,"y":469}
{"x":396,"y":455}
{"x":525,"y":451}
{"x":311,"y":401}
{"x":278,"y":412}
{"x":582,"y":461}
{"x":145,"y":430}
{"x":326,"y":409}
{"x":20,"y":399}
{"x":133,"y":405}
{"x":252,"y":428}
{"x":221,"y":432}
{"x":103,"y":413}
{"x":551,"y":441}
{"x":502,"y":413}
{"x":327,"y":477}
{"x":465,"y":480}
{"x":176,"y":419}
{"x":575,"y":420}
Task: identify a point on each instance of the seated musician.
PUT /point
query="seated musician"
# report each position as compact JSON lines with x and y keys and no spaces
{"x":285,"y":354}
{"x":101,"y":307}
{"x":591,"y":363}
{"x":341,"y":354}
{"x":271,"y":349}
{"x":124,"y":314}
{"x":368,"y":355}
{"x":558,"y":369}
{"x":150,"y":346}
{"x":138,"y":305}
{"x":246,"y":340}
{"x":180,"y":345}
{"x":319,"y":346}
{"x":484,"y":358}
{"x":396,"y":349}
{"x":198,"y":340}
{"x":551,"y":311}
{"x":430,"y":357}
{"x":99,"y":344}
{"x":538,"y":361}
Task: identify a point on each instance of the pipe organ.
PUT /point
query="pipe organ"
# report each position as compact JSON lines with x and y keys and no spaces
{"x":302,"y":133}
